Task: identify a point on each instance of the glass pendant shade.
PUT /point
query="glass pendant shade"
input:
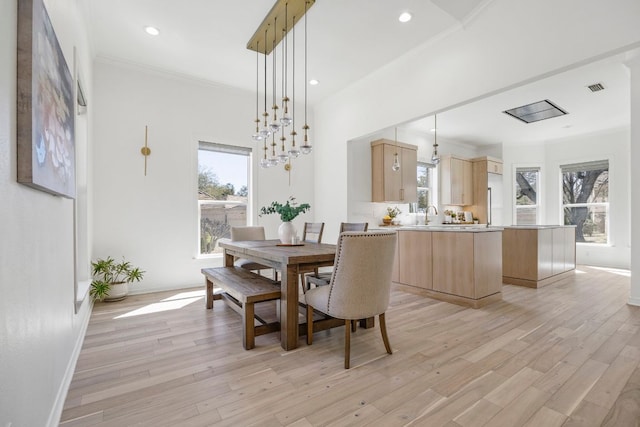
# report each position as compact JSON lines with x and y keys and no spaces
{"x":305,"y":149}
{"x":396,"y":163}
{"x":264,"y":163}
{"x":265,"y":132}
{"x":294,"y":153}
{"x":274,"y":127}
{"x":257,"y":137}
{"x":282,"y":158}
{"x":285,"y":120}
{"x":435,"y":159}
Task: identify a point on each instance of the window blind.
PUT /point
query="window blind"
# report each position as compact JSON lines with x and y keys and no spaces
{"x":585,"y":166}
{"x":222,"y":148}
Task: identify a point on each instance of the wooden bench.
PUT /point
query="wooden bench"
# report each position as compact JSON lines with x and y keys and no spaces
{"x":241,"y":290}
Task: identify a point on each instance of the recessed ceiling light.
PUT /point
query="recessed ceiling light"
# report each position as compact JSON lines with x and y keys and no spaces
{"x":313,"y":82}
{"x":152,"y":30}
{"x":404,"y":17}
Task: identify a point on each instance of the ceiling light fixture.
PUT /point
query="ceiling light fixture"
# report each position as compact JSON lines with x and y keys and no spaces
{"x":152,"y":30}
{"x":396,"y":162}
{"x":273,"y":31}
{"x":404,"y":17}
{"x":435,"y":158}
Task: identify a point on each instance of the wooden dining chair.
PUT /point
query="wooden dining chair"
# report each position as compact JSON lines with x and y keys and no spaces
{"x":249,"y":233}
{"x":311,"y":233}
{"x":322,"y":279}
{"x":360,"y":286}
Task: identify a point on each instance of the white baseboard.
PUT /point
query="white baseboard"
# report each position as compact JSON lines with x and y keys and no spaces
{"x":58,"y":406}
{"x":634,"y":301}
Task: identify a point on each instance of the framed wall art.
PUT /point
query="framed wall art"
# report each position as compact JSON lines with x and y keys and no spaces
{"x":45,"y":115}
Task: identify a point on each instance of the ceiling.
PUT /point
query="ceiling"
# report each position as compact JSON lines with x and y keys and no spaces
{"x":206,"y":40}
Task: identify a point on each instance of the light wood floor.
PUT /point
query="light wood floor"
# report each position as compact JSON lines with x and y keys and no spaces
{"x":564,"y":355}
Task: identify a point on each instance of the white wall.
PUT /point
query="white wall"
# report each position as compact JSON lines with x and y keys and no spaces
{"x":40,"y":333}
{"x":612,"y":145}
{"x":152,"y":220}
{"x":476,"y":61}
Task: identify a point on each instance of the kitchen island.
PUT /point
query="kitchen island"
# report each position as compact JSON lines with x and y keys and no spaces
{"x":457,"y":264}
{"x":538,"y":255}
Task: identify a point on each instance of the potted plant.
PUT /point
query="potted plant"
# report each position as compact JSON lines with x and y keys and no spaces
{"x":287,"y":211}
{"x":111,"y":279}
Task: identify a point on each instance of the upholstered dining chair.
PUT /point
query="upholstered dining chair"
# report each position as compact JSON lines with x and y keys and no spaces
{"x":249,"y":233}
{"x":360,"y":286}
{"x":322,"y":279}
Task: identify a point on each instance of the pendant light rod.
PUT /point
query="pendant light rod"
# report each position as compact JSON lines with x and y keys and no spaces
{"x":296,"y":9}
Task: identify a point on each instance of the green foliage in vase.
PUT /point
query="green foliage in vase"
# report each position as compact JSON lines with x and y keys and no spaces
{"x":287,"y":211}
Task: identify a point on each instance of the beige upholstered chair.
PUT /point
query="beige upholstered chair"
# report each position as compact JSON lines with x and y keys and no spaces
{"x":322,"y":279}
{"x":360,"y":285}
{"x":248,"y":233}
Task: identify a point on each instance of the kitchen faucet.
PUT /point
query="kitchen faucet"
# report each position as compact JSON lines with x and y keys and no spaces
{"x":426,"y":215}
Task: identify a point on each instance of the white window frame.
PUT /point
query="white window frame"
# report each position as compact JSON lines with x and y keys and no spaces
{"x":231,"y":149}
{"x":539,"y":191}
{"x":587,"y":205}
{"x":433,"y":180}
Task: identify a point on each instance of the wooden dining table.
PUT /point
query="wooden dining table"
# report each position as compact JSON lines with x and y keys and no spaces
{"x":290,"y":261}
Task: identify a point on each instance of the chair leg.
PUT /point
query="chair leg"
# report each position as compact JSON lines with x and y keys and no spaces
{"x":309,"y":324}
{"x":347,"y":343}
{"x":354,"y":323}
{"x":383,"y":329}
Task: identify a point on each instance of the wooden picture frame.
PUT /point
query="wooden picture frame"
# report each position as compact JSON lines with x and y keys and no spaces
{"x":45,"y":113}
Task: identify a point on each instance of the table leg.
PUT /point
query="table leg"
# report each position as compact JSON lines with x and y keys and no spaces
{"x":228,"y":259}
{"x":289,"y":308}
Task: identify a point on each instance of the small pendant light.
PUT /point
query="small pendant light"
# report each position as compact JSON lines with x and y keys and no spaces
{"x":435,"y":158}
{"x":396,"y":162}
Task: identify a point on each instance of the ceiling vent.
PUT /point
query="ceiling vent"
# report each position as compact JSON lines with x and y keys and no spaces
{"x":596,"y":87}
{"x":535,"y":112}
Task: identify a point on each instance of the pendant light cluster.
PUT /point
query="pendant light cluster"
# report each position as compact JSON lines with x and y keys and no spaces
{"x":274,"y":31}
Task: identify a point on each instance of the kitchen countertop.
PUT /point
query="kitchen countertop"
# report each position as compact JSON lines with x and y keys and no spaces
{"x":475,"y":228}
{"x":534,"y":227}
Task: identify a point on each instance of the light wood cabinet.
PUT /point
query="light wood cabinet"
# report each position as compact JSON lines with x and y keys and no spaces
{"x":536,"y":256}
{"x":483,"y":166}
{"x":457,"y":267}
{"x":414,"y":259}
{"x":388,"y":185}
{"x":456,"y":181}
{"x":466,"y":264}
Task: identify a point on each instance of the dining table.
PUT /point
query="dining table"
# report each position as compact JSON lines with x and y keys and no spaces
{"x":291,"y":261}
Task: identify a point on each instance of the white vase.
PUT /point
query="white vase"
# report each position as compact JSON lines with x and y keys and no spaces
{"x":287,"y":232}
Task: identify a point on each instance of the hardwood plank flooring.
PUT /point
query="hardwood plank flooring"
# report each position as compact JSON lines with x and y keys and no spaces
{"x":567,"y":354}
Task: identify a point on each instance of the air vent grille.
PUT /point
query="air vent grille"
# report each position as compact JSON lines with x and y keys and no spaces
{"x":536,"y":111}
{"x":596,"y":87}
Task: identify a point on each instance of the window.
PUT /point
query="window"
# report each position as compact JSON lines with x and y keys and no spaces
{"x":527,"y":195}
{"x":223,"y":192}
{"x":426,"y":195}
{"x":585,"y":200}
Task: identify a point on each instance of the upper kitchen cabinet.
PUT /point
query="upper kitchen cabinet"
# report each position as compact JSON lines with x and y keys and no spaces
{"x":456,"y":181}
{"x":388,"y":185}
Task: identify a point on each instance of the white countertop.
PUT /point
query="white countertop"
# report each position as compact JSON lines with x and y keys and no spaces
{"x":474,"y":228}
